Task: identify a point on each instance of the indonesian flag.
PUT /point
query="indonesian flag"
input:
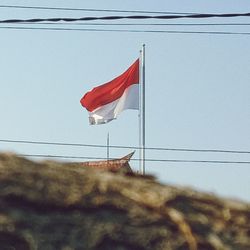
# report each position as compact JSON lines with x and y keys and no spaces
{"x":107,"y":101}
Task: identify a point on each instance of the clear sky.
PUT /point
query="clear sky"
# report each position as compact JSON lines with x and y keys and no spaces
{"x":197,"y":89}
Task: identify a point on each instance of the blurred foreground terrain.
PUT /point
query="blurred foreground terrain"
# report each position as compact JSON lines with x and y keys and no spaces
{"x":50,"y":205}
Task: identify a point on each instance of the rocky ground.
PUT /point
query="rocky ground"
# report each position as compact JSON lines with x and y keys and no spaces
{"x":51,"y":205}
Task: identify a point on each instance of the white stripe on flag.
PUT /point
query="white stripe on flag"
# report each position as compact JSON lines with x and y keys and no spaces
{"x":110,"y":111}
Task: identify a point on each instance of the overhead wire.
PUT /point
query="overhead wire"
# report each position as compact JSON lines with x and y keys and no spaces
{"x":124,"y":147}
{"x":131,"y":17}
{"x":90,"y":9}
{"x":75,"y":21}
{"x":127,"y":30}
{"x":147,"y":160}
{"x":141,"y":24}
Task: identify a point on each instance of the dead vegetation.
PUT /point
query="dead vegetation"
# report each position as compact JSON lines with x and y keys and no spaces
{"x":65,"y":206}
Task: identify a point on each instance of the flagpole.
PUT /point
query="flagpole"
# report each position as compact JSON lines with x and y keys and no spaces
{"x":108,"y":147}
{"x":142,"y":112}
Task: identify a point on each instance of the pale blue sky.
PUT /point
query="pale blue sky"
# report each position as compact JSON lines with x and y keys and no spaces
{"x":197,"y":90}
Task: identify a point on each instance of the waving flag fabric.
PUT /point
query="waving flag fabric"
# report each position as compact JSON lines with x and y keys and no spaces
{"x":107,"y":101}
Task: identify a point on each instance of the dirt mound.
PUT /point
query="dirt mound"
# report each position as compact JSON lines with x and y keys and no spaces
{"x":65,"y":206}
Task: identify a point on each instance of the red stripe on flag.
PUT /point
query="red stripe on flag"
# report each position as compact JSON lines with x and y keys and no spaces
{"x":112,"y":90}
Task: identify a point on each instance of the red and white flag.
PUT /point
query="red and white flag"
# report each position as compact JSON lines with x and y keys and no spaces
{"x":107,"y":101}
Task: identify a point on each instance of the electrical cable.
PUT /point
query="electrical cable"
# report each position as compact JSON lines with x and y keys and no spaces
{"x":90,"y":10}
{"x":132,"y":17}
{"x":142,"y":24}
{"x":147,"y":160}
{"x":125,"y":147}
{"x":129,"y":31}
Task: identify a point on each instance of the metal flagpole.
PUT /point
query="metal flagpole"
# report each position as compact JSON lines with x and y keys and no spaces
{"x":108,"y":147}
{"x":142,"y":111}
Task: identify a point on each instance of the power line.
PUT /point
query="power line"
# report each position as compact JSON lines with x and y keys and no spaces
{"x":142,"y":24}
{"x":90,"y":10}
{"x":133,"y":17}
{"x":128,"y":30}
{"x":125,"y":147}
{"x":147,"y":160}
